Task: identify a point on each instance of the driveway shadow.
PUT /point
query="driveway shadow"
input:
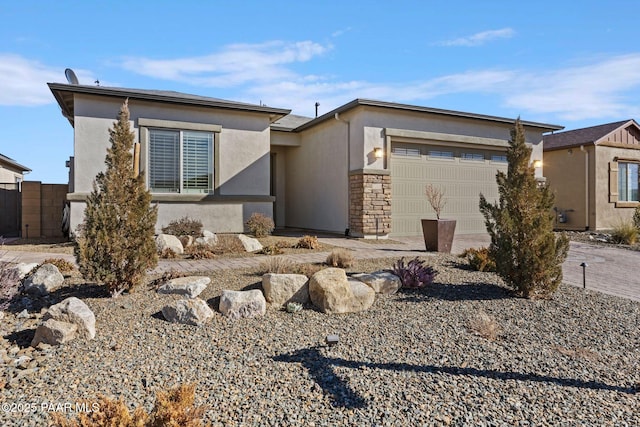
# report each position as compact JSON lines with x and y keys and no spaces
{"x":472,"y":291}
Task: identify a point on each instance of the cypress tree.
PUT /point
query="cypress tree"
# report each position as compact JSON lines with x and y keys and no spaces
{"x":115,"y":243}
{"x":527,"y":253}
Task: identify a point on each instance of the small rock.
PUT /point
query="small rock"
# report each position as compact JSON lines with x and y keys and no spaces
{"x":73,"y":310}
{"x":168,"y":241}
{"x":250,"y":244}
{"x":382,"y":282}
{"x":332,"y":292}
{"x":24,"y":314}
{"x":54,"y":332}
{"x":238,"y":304}
{"x":208,"y":238}
{"x":190,"y":286}
{"x":193,"y":311}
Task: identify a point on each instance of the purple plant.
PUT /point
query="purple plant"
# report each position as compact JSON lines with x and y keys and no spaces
{"x":9,"y":284}
{"x":414,"y":274}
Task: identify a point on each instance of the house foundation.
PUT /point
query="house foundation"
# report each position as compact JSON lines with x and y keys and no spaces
{"x":370,"y":204}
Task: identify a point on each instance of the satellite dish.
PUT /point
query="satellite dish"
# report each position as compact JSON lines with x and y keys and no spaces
{"x":71,"y":76}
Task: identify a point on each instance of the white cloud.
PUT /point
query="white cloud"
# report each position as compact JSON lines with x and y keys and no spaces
{"x":234,"y":65}
{"x":479,"y":39}
{"x":24,"y":82}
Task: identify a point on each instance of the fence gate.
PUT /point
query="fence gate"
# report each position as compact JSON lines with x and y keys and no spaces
{"x":10,"y":203}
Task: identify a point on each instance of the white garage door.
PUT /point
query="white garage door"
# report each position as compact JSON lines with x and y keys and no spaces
{"x":462,"y":173}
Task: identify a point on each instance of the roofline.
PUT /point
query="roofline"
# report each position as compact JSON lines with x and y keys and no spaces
{"x":13,"y":163}
{"x":406,"y":107}
{"x":56,"y":88}
{"x":593,"y":142}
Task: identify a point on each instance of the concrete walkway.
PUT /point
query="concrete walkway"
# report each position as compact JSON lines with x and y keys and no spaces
{"x":610,"y":270}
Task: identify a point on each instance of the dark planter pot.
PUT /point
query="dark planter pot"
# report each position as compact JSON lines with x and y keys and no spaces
{"x":438,"y":234}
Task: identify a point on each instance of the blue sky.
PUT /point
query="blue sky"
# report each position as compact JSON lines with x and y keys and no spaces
{"x":574,"y":64}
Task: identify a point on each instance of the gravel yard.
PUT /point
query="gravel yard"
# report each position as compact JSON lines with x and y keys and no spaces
{"x":411,"y":359}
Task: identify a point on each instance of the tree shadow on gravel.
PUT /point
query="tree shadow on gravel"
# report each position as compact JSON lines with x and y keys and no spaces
{"x":458,"y":292}
{"x":321,"y":369}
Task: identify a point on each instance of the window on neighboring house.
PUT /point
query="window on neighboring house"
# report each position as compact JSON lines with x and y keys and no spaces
{"x":499,"y":158}
{"x":441,"y":154}
{"x":472,"y":156}
{"x":628,"y":182}
{"x":410,"y":152}
{"x":180,"y":161}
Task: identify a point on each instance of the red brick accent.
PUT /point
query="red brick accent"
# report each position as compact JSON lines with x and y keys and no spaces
{"x":370,"y":199}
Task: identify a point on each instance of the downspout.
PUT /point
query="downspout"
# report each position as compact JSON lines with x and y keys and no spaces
{"x":348,"y":158}
{"x":586,"y":186}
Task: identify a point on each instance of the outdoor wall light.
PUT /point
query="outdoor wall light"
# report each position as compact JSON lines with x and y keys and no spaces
{"x":378,"y":153}
{"x":537,"y":163}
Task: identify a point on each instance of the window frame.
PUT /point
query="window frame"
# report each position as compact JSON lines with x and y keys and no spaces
{"x":625,"y":192}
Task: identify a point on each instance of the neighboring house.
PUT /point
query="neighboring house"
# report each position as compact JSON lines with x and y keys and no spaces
{"x":594,"y":174}
{"x":360,"y":168}
{"x":11,"y":176}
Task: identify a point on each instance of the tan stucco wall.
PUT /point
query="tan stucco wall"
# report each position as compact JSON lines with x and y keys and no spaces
{"x":608,"y":214}
{"x":565,"y":172}
{"x":278,"y":177}
{"x":242,"y":159}
{"x":8,"y":176}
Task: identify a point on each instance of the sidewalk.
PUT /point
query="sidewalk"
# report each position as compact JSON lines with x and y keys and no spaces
{"x":610,"y":270}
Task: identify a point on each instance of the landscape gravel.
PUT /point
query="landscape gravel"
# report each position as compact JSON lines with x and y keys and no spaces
{"x":411,"y":359}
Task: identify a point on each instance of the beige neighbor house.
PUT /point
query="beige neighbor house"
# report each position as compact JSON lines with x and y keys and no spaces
{"x":360,"y":168}
{"x":594,"y":174}
{"x":11,"y":176}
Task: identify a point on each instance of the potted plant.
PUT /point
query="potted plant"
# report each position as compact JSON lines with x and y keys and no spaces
{"x":438,"y":233}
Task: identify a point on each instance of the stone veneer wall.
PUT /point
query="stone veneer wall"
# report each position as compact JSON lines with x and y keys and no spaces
{"x":370,"y":198}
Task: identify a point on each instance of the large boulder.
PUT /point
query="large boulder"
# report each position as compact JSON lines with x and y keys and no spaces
{"x":331,"y":292}
{"x":281,"y":289}
{"x":191,"y":311}
{"x":237,"y":304}
{"x":190,"y":286}
{"x":73,"y":310}
{"x":168,"y":241}
{"x":25,"y":268}
{"x":382,"y":282}
{"x":45,"y":279}
{"x":54,"y":332}
{"x":250,"y":244}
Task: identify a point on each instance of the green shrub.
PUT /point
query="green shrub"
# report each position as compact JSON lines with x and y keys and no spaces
{"x":340,"y":258}
{"x":260,"y":225}
{"x":62,"y":264}
{"x":527,"y":253}
{"x":414,"y":274}
{"x":624,"y":232}
{"x":172,"y":408}
{"x":115,"y":243}
{"x":308,"y":242}
{"x":184,"y":226}
{"x":479,"y":259}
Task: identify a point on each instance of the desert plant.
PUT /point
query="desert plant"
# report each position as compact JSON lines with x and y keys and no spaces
{"x":479,"y":259}
{"x":340,"y":258}
{"x":436,"y":199}
{"x":484,"y":325}
{"x":184,"y":226}
{"x":527,"y":253}
{"x":260,"y":225}
{"x":165,"y":277}
{"x":624,"y":232}
{"x":307,"y":242}
{"x":307,"y":269}
{"x":636,"y":217}
{"x":278,"y":265}
{"x":294,"y":307}
{"x":228,"y":244}
{"x":271,"y":250}
{"x":414,"y":274}
{"x":200,"y":251}
{"x":172,"y":408}
{"x":168,"y":253}
{"x":62,"y":264}
{"x":115,"y":243}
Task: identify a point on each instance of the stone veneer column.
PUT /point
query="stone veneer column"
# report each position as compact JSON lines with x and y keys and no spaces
{"x":370,"y":198}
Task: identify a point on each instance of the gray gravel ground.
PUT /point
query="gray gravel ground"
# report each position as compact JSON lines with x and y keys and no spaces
{"x":409,"y":360}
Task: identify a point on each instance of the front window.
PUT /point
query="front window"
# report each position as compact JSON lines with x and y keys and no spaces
{"x":628,"y":182}
{"x":180,"y":161}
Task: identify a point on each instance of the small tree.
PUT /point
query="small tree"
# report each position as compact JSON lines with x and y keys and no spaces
{"x":115,"y":243}
{"x":527,"y":253}
{"x":435,"y":197}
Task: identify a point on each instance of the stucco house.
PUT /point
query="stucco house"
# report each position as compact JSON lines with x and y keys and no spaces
{"x":360,"y":168}
{"x":11,"y":176}
{"x":594,"y":174}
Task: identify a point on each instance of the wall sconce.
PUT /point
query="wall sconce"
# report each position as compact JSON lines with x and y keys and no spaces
{"x":537,"y":163}
{"x":378,"y":153}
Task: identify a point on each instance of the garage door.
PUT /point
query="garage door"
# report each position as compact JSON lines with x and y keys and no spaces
{"x":462,"y":173}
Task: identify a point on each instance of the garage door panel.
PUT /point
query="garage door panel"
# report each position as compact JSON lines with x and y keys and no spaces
{"x":462,"y":180}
